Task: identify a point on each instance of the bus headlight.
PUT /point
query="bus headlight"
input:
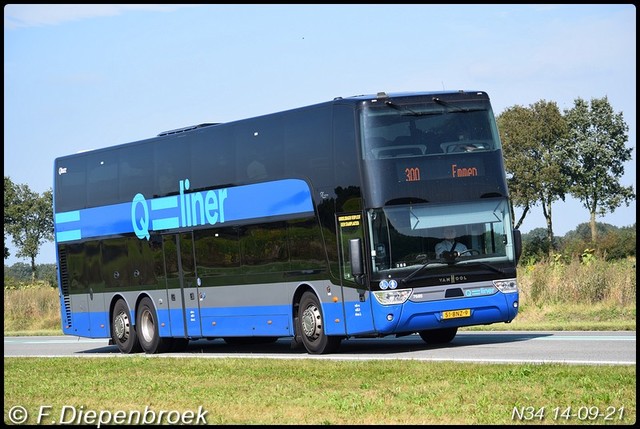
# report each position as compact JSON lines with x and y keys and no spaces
{"x":506,"y":286}
{"x":388,"y":297}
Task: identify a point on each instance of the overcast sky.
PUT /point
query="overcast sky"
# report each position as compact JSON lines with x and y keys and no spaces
{"x":79,"y":77}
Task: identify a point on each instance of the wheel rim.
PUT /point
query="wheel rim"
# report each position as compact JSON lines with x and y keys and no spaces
{"x":121,"y":326}
{"x":312,"y":322}
{"x":147,"y":327}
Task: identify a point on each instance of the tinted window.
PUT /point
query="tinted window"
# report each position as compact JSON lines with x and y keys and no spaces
{"x":264,"y":248}
{"x":259,"y":149}
{"x":212,"y":157}
{"x":172,"y":163}
{"x":136,"y":172}
{"x":70,"y":183}
{"x":218,"y":256}
{"x":102,"y":178}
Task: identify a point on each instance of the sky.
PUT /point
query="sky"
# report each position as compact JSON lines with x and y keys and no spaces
{"x":79,"y":77}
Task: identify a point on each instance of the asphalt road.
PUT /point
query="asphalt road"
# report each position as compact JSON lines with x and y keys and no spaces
{"x":570,"y":347}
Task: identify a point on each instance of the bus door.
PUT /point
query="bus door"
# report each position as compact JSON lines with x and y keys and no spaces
{"x":182,"y":285}
{"x":356,"y":298}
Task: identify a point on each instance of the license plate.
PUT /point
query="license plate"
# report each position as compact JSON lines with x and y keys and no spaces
{"x":455,"y":314}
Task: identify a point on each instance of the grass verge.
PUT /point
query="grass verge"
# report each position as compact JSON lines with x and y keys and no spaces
{"x":272,"y":391}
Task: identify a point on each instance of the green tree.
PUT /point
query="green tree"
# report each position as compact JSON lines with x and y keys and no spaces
{"x":9,"y":200}
{"x":19,"y":271}
{"x":575,"y":242}
{"x":535,"y":246}
{"x":596,"y":156}
{"x":619,"y":243}
{"x":31,"y":222}
{"x":533,"y":142}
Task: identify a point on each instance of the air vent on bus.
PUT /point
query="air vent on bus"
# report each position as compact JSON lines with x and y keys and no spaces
{"x":185,"y":129}
{"x":64,"y":285}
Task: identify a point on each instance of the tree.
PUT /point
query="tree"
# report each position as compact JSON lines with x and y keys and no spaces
{"x":31,"y":222}
{"x":596,"y":156}
{"x":535,"y":246}
{"x":575,"y":242}
{"x":9,"y":200}
{"x":533,"y":142}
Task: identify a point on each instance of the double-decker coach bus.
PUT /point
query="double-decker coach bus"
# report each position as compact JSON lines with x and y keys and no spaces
{"x":320,"y":223}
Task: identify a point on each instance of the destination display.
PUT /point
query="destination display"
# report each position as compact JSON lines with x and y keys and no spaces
{"x":416,"y":170}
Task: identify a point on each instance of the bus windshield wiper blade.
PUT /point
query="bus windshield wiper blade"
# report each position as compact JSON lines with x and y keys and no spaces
{"x":453,"y":258}
{"x":465,"y":264}
{"x":420,"y":268}
{"x":454,"y":107}
{"x":408,"y":112}
{"x":489,"y":266}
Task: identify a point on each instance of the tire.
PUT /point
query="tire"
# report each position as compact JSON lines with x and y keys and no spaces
{"x":123,"y":333}
{"x":147,"y":328}
{"x":310,"y":327}
{"x":438,"y":336}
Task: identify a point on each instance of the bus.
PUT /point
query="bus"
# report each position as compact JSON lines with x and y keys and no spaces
{"x":318,"y":224}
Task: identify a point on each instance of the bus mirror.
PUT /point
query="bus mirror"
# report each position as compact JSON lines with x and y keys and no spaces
{"x":517,"y":242}
{"x":355,"y":258}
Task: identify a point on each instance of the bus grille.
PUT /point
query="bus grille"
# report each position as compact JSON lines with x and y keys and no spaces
{"x":64,"y":286}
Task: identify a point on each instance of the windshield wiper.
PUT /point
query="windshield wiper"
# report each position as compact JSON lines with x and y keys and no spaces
{"x":455,"y":107}
{"x":489,"y":266}
{"x":450,"y":261}
{"x":448,"y":258}
{"x":408,"y":112}
{"x":451,"y":258}
{"x":420,"y":268}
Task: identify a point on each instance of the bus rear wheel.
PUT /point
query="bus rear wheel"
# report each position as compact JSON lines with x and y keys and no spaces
{"x":147,"y":325}
{"x":123,"y":333}
{"x":438,"y":336}
{"x":310,"y":327}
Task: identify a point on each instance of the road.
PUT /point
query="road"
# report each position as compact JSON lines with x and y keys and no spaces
{"x":570,"y":347}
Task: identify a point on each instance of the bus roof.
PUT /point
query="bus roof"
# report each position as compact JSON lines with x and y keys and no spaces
{"x":355,"y":99}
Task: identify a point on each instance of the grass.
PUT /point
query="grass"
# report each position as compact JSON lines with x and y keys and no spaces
{"x":273,"y":391}
{"x":569,"y":317}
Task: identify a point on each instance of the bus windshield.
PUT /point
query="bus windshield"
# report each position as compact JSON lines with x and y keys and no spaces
{"x":422,"y":150}
{"x":440,"y":234}
{"x":394,"y":130}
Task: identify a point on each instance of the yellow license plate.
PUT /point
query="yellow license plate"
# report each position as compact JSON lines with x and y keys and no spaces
{"x":455,"y":314}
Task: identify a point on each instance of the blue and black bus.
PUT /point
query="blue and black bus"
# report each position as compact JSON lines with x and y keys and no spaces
{"x":318,"y":223}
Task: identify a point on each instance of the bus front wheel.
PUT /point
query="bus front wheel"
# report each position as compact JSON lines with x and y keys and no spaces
{"x":123,"y":333}
{"x":310,"y":327}
{"x":147,"y":325}
{"x":438,"y":336}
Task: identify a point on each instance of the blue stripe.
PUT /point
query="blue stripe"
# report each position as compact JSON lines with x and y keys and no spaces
{"x":68,"y":217}
{"x":188,"y":209}
{"x":74,"y":234}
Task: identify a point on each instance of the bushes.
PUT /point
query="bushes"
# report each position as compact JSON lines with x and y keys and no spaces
{"x":588,"y":280}
{"x":31,"y":307}
{"x":613,"y":243}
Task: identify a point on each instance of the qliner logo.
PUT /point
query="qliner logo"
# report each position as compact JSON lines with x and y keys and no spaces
{"x":142,"y":216}
{"x":196,"y":209}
